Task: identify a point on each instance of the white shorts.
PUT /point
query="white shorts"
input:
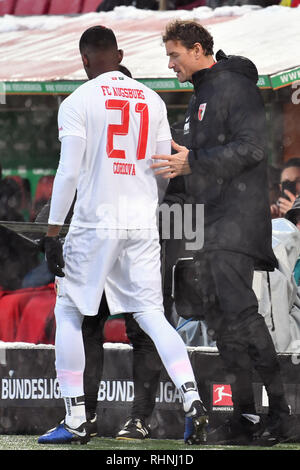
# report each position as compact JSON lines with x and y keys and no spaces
{"x":124,"y":263}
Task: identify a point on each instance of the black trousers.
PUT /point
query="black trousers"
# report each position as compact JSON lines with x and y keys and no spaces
{"x":227,"y":302}
{"x":146,"y":362}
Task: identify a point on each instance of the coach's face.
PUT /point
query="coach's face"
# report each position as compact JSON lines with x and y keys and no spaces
{"x":184,"y":61}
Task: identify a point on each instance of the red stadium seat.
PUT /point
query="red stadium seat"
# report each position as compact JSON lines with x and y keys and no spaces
{"x":90,"y":5}
{"x":44,"y":187}
{"x":12,"y":305}
{"x":192,"y":5}
{"x":7,"y":7}
{"x":36,"y":318}
{"x":115,"y":331}
{"x":28,"y":7}
{"x":67,"y":7}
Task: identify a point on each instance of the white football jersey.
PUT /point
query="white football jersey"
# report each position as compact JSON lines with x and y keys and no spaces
{"x":122,"y":121}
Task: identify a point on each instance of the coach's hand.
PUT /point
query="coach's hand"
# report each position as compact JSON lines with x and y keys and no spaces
{"x":52,"y":248}
{"x":170,"y":166}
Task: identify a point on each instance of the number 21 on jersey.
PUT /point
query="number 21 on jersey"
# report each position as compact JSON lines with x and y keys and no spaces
{"x":123,"y":128}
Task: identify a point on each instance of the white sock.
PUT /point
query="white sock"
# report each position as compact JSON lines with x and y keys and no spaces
{"x":189,"y":393}
{"x":75,"y":411}
{"x":189,"y":398}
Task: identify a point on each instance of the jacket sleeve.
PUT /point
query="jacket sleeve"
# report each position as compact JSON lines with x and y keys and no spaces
{"x":245,"y":136}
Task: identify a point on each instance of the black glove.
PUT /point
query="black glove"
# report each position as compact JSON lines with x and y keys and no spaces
{"x":52,"y":248}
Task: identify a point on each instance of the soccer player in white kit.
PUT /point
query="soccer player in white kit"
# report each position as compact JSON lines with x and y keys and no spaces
{"x":109,"y":128}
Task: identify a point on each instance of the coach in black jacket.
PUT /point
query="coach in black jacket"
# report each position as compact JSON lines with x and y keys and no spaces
{"x":228,"y":161}
{"x":224,"y":167}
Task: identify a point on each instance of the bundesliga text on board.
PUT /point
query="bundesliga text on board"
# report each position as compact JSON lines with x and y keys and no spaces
{"x":123,"y":391}
{"x":13,"y":388}
{"x":35,"y":389}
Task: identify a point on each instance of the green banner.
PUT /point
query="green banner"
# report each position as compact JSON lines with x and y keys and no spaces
{"x":43,"y":88}
{"x":285,"y":78}
{"x":166,"y":84}
{"x":158,"y":84}
{"x":67,"y":87}
{"x":264,"y":81}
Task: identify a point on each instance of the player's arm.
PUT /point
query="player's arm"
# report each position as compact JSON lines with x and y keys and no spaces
{"x":163,"y":147}
{"x":72,"y":134}
{"x":63,"y":193}
{"x":65,"y":181}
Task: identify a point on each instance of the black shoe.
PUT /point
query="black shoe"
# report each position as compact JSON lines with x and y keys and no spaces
{"x":134,"y":428}
{"x":279,"y":429}
{"x":92,"y":424}
{"x":196,"y":424}
{"x":235,"y":431}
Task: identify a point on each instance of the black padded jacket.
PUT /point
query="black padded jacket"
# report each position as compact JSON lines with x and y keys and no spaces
{"x":225,"y":131}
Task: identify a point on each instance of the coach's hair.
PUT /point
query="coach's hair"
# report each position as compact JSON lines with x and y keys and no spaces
{"x":97,"y":37}
{"x":188,"y":33}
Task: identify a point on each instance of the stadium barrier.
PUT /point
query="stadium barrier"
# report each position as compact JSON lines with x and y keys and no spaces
{"x":30,"y":401}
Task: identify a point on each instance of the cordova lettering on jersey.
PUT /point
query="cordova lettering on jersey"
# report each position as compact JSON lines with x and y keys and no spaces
{"x":124,"y":168}
{"x":133,"y":93}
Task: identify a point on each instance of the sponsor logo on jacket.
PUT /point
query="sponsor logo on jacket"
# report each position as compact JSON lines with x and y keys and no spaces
{"x":201,"y":111}
{"x":186,"y":128}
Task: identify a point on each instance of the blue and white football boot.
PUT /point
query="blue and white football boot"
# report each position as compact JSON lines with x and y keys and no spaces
{"x":63,"y":434}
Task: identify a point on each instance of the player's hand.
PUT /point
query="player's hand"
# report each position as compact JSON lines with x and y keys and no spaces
{"x":170,"y":166}
{"x":52,"y":248}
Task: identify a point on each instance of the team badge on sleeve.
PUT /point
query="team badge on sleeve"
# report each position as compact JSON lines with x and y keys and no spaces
{"x":201,"y":111}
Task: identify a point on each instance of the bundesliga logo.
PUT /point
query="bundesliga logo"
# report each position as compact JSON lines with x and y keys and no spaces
{"x":221,"y":397}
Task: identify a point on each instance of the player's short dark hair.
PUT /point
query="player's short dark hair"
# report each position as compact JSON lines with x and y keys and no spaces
{"x":188,"y":33}
{"x":97,"y":37}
